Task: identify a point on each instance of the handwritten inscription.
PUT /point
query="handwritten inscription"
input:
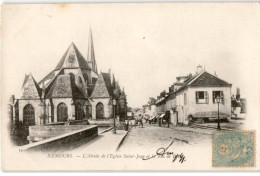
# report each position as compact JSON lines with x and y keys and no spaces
{"x":164,"y":152}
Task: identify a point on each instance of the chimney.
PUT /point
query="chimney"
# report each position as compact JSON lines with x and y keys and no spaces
{"x":199,"y":69}
{"x":238,"y":94}
{"x":216,"y":74}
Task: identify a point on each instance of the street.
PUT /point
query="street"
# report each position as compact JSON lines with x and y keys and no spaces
{"x":151,"y":137}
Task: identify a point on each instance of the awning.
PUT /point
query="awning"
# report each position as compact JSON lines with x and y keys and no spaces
{"x":210,"y":114}
{"x":162,"y":115}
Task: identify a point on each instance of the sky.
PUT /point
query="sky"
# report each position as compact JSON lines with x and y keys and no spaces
{"x":145,"y":45}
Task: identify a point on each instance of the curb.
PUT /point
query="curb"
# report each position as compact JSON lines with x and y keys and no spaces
{"x":122,"y":140}
{"x":106,"y":130}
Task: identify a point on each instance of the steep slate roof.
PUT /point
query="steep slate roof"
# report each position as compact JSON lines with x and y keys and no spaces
{"x":25,"y":79}
{"x":208,"y":80}
{"x":100,"y":89}
{"x":90,"y":89}
{"x":30,"y":89}
{"x":171,"y":96}
{"x":79,"y":59}
{"x":108,"y":83}
{"x":63,"y":87}
{"x":50,"y":76}
{"x":204,"y":79}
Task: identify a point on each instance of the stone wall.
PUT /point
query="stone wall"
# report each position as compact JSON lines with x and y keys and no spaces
{"x":41,"y":132}
{"x":64,"y":141}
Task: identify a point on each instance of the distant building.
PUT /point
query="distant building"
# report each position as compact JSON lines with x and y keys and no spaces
{"x":74,"y":90}
{"x":238,"y":106}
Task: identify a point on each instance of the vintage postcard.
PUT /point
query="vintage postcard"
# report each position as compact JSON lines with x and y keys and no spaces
{"x":130,"y":86}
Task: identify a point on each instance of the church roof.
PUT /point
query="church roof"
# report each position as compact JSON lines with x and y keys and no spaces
{"x":47,"y":78}
{"x":90,"y":89}
{"x":30,"y":88}
{"x":204,"y":79}
{"x":107,"y":80}
{"x":72,"y":58}
{"x":63,"y":87}
{"x":101,"y":87}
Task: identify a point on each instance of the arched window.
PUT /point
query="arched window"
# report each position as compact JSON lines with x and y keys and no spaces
{"x":29,"y":115}
{"x":99,"y":111}
{"x":72,"y":76}
{"x":62,"y":112}
{"x":79,"y":112}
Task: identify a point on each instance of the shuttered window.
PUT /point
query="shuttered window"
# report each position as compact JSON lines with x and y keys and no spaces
{"x":216,"y":94}
{"x":202,"y":97}
{"x":185,"y":98}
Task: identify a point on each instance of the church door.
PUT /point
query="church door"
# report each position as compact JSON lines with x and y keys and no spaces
{"x":29,"y":115}
{"x":100,"y":111}
{"x":62,"y":112}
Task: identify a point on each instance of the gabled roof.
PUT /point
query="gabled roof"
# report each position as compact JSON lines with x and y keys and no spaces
{"x":100,"y":89}
{"x":30,"y":89}
{"x":204,"y":79}
{"x":63,"y":87}
{"x":48,"y":78}
{"x":90,"y":89}
{"x":171,"y":96}
{"x":72,"y":59}
{"x":25,"y":79}
{"x":107,"y":80}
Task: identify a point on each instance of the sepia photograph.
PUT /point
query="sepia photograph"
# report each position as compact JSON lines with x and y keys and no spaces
{"x":130,"y":86}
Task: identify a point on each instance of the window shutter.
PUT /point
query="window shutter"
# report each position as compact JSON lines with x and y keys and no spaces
{"x":197,"y":97}
{"x":206,"y":97}
{"x":222,"y":97}
{"x":213,"y":96}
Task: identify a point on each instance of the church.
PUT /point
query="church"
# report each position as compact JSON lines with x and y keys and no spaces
{"x":74,"y":90}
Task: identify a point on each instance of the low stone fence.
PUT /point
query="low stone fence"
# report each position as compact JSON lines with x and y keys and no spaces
{"x":41,"y":132}
{"x":102,"y":122}
{"x":64,"y":141}
{"x":71,"y":122}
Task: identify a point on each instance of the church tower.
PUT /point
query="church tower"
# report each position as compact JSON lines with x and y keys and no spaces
{"x":91,"y":54}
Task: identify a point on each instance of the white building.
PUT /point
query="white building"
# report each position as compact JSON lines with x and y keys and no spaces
{"x":196,"y":98}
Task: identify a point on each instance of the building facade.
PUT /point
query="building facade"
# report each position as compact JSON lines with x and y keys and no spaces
{"x":193,"y":97}
{"x":196,"y":98}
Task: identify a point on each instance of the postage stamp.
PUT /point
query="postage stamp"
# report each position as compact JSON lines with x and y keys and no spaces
{"x":234,"y":149}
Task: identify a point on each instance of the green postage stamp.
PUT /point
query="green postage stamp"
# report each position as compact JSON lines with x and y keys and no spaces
{"x":234,"y":149}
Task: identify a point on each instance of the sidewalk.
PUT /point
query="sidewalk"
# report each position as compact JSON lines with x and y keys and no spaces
{"x":105,"y":142}
{"x":201,"y":128}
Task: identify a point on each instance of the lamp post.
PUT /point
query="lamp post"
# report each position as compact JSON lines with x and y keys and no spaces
{"x":218,"y":100}
{"x":114,"y":113}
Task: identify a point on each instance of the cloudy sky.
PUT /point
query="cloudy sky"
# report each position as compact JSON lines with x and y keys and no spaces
{"x":145,"y":45}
